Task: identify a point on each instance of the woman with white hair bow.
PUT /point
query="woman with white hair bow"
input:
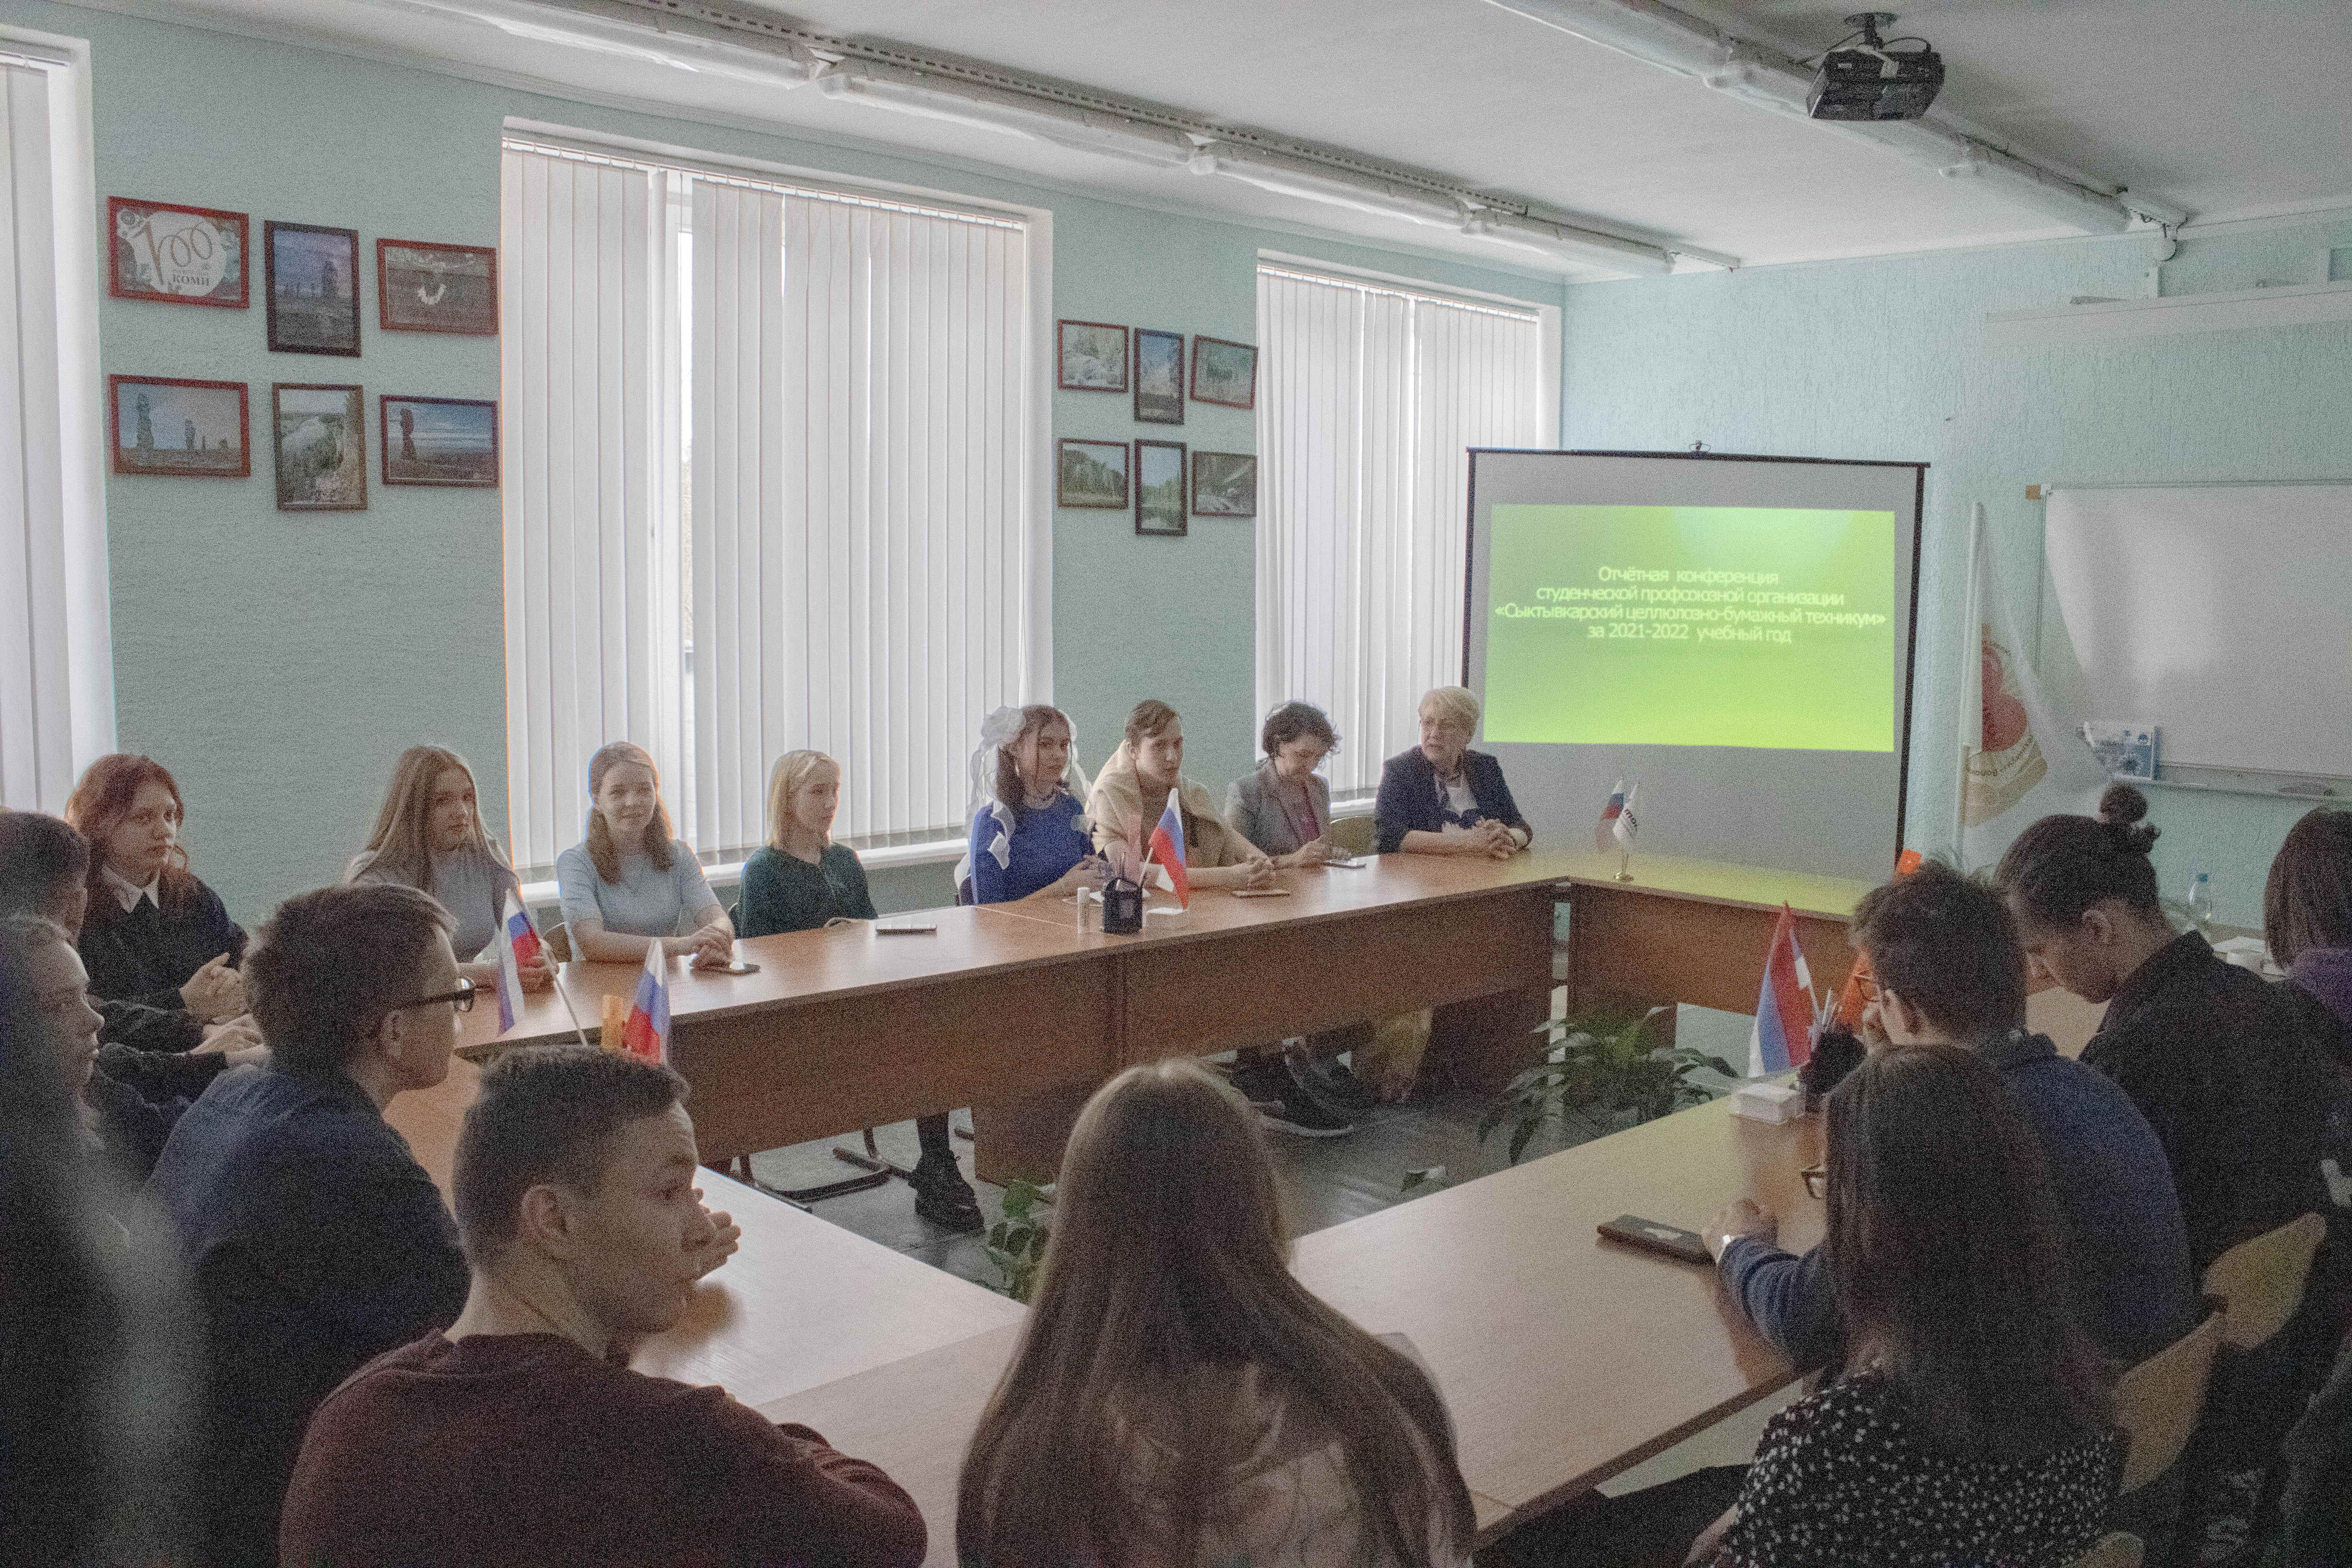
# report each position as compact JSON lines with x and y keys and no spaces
{"x":1029,"y":836}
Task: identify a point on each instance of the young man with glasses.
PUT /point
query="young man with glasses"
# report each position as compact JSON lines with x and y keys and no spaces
{"x":313,"y":1238}
{"x":1950,"y":972}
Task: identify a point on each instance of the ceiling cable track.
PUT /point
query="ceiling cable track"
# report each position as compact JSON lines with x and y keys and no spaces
{"x":889,"y":76}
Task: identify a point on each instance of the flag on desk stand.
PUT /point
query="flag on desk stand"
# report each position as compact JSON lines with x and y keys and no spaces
{"x":1609,"y":816}
{"x":645,"y":1036}
{"x":1624,"y":824}
{"x":1783,"y":1036}
{"x":1167,"y":847}
{"x":518,"y":945}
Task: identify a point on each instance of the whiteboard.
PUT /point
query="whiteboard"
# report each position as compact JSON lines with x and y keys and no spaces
{"x":2223,"y":613}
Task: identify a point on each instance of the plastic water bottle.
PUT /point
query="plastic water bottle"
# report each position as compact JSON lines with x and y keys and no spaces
{"x":2200,"y":901}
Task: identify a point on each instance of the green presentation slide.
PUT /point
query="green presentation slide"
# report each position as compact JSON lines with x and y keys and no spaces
{"x":1692,"y":625}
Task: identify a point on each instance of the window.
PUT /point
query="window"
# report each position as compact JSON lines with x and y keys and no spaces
{"x":1372,"y":396}
{"x":771,"y":487}
{"x":56,"y":671}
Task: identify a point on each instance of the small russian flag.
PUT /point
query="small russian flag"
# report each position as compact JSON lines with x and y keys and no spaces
{"x":1782,"y":1036}
{"x":1609,"y":816}
{"x":1167,"y":847}
{"x":518,"y":945}
{"x":647,"y":1034}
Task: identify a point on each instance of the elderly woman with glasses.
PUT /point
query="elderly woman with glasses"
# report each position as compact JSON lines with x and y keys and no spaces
{"x":1443,"y":798}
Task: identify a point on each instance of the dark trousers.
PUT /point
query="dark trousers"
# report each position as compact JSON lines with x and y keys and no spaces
{"x":1653,"y":1528}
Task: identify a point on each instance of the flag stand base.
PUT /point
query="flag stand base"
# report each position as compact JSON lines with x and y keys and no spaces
{"x":1624,"y":862}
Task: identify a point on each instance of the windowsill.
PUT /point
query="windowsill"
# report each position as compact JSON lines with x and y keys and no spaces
{"x":539,"y":894}
{"x":727,"y":875}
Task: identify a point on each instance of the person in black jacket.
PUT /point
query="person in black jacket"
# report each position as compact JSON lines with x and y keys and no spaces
{"x":2225,"y":1066}
{"x":1443,"y":798}
{"x":313,"y":1240}
{"x":154,"y":934}
{"x":151,"y":1062}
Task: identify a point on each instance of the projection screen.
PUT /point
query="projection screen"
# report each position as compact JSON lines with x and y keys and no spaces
{"x":1731,"y":635}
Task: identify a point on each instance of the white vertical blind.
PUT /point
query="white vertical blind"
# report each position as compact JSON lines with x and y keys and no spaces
{"x":863,"y":534}
{"x":57,"y":680}
{"x":850,"y":515}
{"x":592,"y":399}
{"x":1373,"y":397}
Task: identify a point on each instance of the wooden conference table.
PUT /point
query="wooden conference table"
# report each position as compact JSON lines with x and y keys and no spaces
{"x":1563,"y":1359}
{"x":1017,"y":1011}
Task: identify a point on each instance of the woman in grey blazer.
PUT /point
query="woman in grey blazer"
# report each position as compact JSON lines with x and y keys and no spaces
{"x":1284,"y":807}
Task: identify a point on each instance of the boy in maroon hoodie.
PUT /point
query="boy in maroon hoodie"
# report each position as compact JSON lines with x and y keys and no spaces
{"x":519,"y":1436}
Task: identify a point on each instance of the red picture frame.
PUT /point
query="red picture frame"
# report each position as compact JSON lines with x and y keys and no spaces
{"x":1222,"y":382}
{"x":182,"y":468}
{"x":128,"y":234}
{"x":1061,"y":349}
{"x":469,"y":316}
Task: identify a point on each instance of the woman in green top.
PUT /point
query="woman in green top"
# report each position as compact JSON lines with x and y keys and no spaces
{"x":802,"y":880}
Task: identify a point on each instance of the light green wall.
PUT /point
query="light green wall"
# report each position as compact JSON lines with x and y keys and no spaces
{"x":276,"y":662}
{"x":1887,"y":360}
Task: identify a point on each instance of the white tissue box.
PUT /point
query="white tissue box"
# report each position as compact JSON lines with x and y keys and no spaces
{"x":1774,"y":1102}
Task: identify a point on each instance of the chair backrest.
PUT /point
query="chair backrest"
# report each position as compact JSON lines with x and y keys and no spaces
{"x":1352,"y":834}
{"x":558,"y":941}
{"x":2159,"y":1401}
{"x":2260,"y":1281}
{"x":2116,"y":1549}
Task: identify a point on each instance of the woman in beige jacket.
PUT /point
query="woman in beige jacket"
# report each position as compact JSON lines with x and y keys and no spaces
{"x":1132,"y":790}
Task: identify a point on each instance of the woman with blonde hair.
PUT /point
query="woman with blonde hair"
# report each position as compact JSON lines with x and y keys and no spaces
{"x":802,"y":880}
{"x":1440,"y":797}
{"x":631,"y":884}
{"x":428,"y":835}
{"x":1177,"y":1397}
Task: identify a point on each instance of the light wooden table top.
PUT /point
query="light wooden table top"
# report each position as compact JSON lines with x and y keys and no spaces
{"x":1564,"y":1359}
{"x":847,"y":960}
{"x":802,"y":1303}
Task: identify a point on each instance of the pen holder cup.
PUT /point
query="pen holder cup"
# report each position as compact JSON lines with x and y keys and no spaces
{"x":1122,"y":907}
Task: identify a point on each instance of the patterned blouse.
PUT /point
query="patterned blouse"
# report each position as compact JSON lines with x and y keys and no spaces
{"x":1845,"y":1477}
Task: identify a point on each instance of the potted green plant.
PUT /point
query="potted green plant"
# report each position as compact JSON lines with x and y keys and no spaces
{"x":1016,"y":1243}
{"x":1597,"y":1069}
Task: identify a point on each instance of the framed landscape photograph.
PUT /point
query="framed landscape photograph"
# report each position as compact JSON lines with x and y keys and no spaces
{"x":1159,"y":377}
{"x":195,"y":429}
{"x":1160,"y":489}
{"x":439,"y":441}
{"x":1091,"y":473}
{"x":422,"y":288}
{"x":1224,"y":373}
{"x":319,"y":434}
{"x":1091,"y":355}
{"x":1224,"y":484}
{"x":313,"y":279}
{"x":176,"y":255}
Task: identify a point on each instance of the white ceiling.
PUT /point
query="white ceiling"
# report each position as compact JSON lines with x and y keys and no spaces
{"x":2226,"y":108}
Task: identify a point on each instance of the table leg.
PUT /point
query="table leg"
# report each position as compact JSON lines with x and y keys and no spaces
{"x":1024,"y":1139}
{"x":1486,"y":1041}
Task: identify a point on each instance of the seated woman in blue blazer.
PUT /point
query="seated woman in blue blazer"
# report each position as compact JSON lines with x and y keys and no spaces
{"x":1443,"y":798}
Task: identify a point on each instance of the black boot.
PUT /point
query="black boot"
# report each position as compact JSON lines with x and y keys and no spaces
{"x":942,"y":1197}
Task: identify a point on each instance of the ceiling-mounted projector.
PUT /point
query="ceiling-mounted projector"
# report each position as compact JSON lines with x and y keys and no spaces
{"x":1865,"y":77}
